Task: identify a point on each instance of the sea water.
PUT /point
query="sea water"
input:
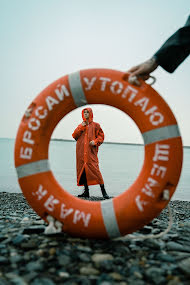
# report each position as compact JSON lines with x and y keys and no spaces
{"x":119,"y":164}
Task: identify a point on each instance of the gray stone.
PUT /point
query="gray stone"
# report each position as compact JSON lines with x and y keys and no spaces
{"x":99,"y":257}
{"x":19,"y":239}
{"x":3,"y":260}
{"x":135,"y":248}
{"x":7,"y":240}
{"x":29,"y":245}
{"x":119,"y":260}
{"x":18,"y":281}
{"x":180,"y":255}
{"x":169,"y":236}
{"x":138,"y":275}
{"x":34,"y":266}
{"x":3,"y":281}
{"x":155,"y":274}
{"x":53,"y":243}
{"x":89,"y":271}
{"x":63,"y":274}
{"x":27,"y":256}
{"x":165,"y":257}
{"x":116,"y":276}
{"x":106,"y":265}
{"x":16,"y":258}
{"x":184,"y":265}
{"x":42,"y":281}
{"x":133,"y":281}
{"x":25,"y":220}
{"x":64,"y":260}
{"x":154,"y":244}
{"x":30,"y":276}
{"x":175,"y":281}
{"x":84,"y":257}
{"x":83,"y":280}
{"x":171,"y":245}
{"x":134,"y":268}
{"x":104,"y":279}
{"x":84,"y":248}
{"x":4,"y":251}
{"x":2,"y":237}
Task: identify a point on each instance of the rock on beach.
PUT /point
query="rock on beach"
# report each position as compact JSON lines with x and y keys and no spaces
{"x":28,"y":256}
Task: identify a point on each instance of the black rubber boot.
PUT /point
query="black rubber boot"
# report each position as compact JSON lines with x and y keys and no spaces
{"x":104,"y":194}
{"x":85,"y":193}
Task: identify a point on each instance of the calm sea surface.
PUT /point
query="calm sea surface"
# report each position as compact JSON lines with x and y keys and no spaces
{"x":119,"y":165}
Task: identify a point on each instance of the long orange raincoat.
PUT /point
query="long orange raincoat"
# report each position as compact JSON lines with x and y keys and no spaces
{"x":87,"y":155}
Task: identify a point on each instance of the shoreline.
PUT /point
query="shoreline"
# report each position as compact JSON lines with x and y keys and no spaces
{"x":105,"y":142}
{"x":28,"y":256}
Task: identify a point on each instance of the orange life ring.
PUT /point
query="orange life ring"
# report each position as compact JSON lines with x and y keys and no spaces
{"x":161,"y":169}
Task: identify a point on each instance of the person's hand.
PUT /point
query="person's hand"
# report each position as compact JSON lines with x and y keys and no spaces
{"x":92,"y":143}
{"x":142,"y":71}
{"x":83,"y":123}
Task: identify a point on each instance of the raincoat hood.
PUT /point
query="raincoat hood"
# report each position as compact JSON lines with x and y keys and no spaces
{"x":90,"y":115}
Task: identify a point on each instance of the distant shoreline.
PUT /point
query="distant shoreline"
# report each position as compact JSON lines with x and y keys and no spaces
{"x":65,"y":140}
{"x":120,"y":143}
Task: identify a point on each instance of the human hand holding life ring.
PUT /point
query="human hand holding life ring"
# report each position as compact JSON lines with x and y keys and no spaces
{"x":142,"y":71}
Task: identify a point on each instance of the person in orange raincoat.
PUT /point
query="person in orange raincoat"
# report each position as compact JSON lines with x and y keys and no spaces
{"x":89,"y":137}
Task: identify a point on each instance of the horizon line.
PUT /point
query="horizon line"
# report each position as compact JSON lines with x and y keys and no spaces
{"x":106,"y":142}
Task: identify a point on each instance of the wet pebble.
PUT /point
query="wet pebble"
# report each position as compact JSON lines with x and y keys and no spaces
{"x":89,"y":271}
{"x":165,"y":257}
{"x":84,"y":257}
{"x":64,"y":260}
{"x":155,"y":274}
{"x":34,"y":266}
{"x":42,"y":281}
{"x":100,"y":257}
{"x":19,"y":239}
{"x":3,"y":260}
{"x":184,"y":265}
{"x":177,"y":246}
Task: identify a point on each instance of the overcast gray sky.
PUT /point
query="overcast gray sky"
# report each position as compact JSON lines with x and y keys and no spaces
{"x":42,"y":40}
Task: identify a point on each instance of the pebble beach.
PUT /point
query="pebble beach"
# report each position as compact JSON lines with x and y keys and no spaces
{"x":28,"y":256}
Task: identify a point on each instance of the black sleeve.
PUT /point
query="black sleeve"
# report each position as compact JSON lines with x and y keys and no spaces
{"x":175,"y":49}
